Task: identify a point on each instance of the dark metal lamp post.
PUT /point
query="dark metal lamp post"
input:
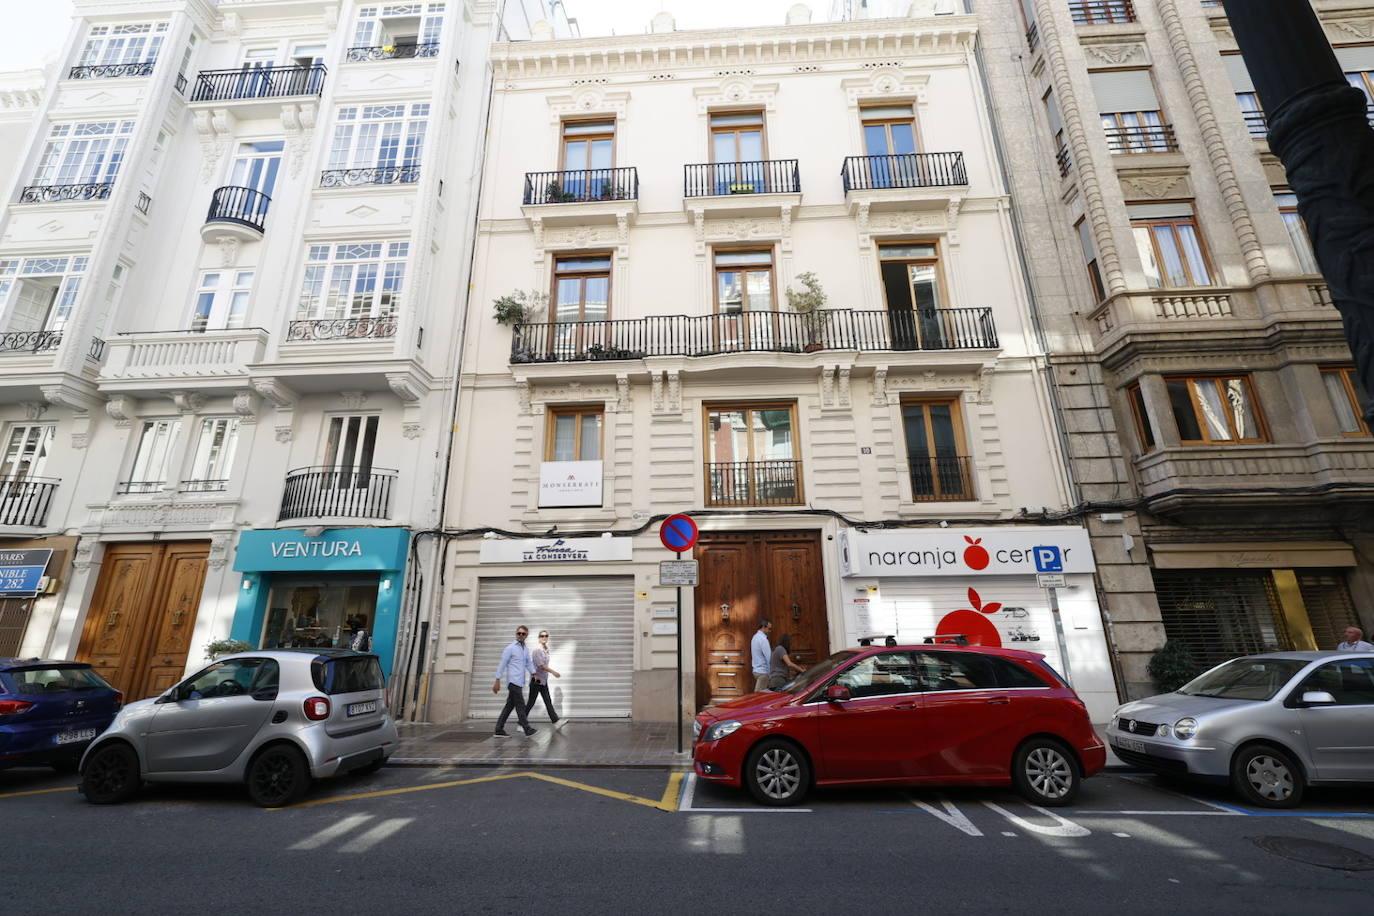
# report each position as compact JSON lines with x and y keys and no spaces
{"x":1319,"y":129}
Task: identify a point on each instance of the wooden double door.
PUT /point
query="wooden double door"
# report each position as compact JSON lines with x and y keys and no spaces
{"x":746,"y":577}
{"x":138,"y":629}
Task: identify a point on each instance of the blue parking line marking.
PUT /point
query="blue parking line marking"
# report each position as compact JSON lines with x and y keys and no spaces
{"x":1340,"y":814}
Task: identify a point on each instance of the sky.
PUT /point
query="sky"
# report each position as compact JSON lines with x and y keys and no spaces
{"x":32,"y":31}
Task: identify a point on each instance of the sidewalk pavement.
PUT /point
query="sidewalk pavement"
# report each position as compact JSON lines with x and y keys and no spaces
{"x":571,"y":743}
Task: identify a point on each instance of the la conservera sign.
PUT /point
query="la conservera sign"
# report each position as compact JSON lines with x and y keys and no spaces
{"x":999,"y":551}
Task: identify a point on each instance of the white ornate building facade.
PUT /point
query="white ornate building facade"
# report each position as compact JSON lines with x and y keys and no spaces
{"x":229,"y":252}
{"x":1212,"y":415}
{"x":859,"y":465}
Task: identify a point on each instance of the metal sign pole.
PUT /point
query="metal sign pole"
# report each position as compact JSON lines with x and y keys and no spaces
{"x":1059,"y":633}
{"x":678,"y":691}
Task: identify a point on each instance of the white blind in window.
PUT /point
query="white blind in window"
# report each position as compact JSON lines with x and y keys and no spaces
{"x":1159,"y":211}
{"x":1355,"y":57}
{"x":1052,"y":108}
{"x":1240,"y":76}
{"x":1124,"y":90}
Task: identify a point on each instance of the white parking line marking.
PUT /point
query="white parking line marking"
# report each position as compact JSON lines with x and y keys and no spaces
{"x":1066,"y":827}
{"x":333,"y":832}
{"x":719,"y":835}
{"x":951,"y":815}
{"x":376,"y":835}
{"x":1124,"y":836}
{"x":1008,"y":833}
{"x":1158,"y":788}
{"x":689,"y":794}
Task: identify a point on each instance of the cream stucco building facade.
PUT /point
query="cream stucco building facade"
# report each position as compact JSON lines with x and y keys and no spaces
{"x":653,"y":198}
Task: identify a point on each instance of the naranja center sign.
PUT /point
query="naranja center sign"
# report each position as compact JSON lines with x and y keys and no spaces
{"x":993,"y":551}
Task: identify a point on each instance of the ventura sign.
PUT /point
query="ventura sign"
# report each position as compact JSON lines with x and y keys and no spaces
{"x":557,"y":550}
{"x":293,"y":549}
{"x":993,"y":551}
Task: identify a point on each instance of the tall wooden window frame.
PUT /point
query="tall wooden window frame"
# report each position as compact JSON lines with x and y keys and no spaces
{"x":869,"y":117}
{"x":754,"y":497}
{"x":745,"y":328}
{"x":1180,"y":228}
{"x":949,"y":481}
{"x":731,"y":175}
{"x":1342,"y":381}
{"x":588,"y":131}
{"x":579,"y":413}
{"x":571,"y":335}
{"x":1144,"y":430}
{"x":1193,"y":385}
{"x":919,"y":326}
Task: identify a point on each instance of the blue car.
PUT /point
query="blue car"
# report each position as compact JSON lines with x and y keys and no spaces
{"x":50,"y":711}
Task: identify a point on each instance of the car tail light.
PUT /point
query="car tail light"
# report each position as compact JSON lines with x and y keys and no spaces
{"x":317,"y":708}
{"x":119,"y":700}
{"x":11,"y":707}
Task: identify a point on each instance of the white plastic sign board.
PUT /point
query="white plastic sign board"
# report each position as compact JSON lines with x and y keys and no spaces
{"x":677,"y":572}
{"x":1051,"y":580}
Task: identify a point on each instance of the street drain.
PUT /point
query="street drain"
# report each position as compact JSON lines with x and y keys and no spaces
{"x":1315,"y":852}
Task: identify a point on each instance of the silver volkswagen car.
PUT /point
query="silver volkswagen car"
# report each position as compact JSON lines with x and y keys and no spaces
{"x":1270,"y":725}
{"x":274,"y":720}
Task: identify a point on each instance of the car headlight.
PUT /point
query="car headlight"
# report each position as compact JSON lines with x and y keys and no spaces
{"x":720,"y":730}
{"x":1162,"y":731}
{"x":696,"y":729}
{"x":1185,"y":728}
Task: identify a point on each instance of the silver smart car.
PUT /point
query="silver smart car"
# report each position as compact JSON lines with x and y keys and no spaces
{"x":1270,"y":725}
{"x":274,"y":719}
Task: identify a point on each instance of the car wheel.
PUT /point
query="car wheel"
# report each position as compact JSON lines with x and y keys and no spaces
{"x":278,"y":776}
{"x":777,"y":773}
{"x":111,"y":775}
{"x":1266,"y":776}
{"x":1045,"y":773}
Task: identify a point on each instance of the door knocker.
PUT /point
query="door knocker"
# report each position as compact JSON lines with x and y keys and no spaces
{"x":725,"y":613}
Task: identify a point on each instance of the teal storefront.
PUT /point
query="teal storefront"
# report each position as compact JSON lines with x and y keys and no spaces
{"x":303,"y":591}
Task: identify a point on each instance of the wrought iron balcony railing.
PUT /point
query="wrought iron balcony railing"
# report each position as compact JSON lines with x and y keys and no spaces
{"x":754,"y":332}
{"x":133,"y":487}
{"x":143,"y":202}
{"x":30,"y":341}
{"x":581,"y":185}
{"x":258,"y":83}
{"x":753,"y":483}
{"x":203,"y":486}
{"x":392,"y":52}
{"x":341,"y":328}
{"x":1257,"y":122}
{"x":24,"y":500}
{"x":97,"y":351}
{"x":767,"y":176}
{"x":107,"y":71}
{"x":47,"y":193}
{"x":904,"y":170}
{"x":1064,"y":162}
{"x":1145,"y":139}
{"x":329,"y":492}
{"x":1097,"y":12}
{"x":382,"y":174}
{"x":937,"y":478}
{"x":181,"y":83}
{"x":245,"y":206}
{"x":1033,"y":36}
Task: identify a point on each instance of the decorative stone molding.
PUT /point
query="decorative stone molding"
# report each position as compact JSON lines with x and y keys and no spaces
{"x":219,"y":552}
{"x":1256,"y":264}
{"x":576,"y":237}
{"x":161,"y":516}
{"x":1167,"y":307}
{"x":588,"y":100}
{"x":81,"y":440}
{"x":656,"y":390}
{"x":674,"y":401}
{"x":1117,"y":55}
{"x":907,"y":222}
{"x":888,"y":81}
{"x":743,"y":230}
{"x":736,"y":91}
{"x":274,"y":392}
{"x":216,"y":129}
{"x":622,"y":392}
{"x":84,"y":555}
{"x":412,"y":430}
{"x":985,"y":385}
{"x":353,"y":400}
{"x":34,"y":410}
{"x":228,"y":250}
{"x":1047,"y":14}
{"x":284,"y":433}
{"x":522,"y":393}
{"x":827,"y":386}
{"x":842,"y":389}
{"x":187,"y":402}
{"x":298,"y":121}
{"x":932,"y":381}
{"x":880,"y":386}
{"x":1342,"y":30}
{"x":1156,"y":186}
{"x":402,"y":384}
{"x":246,"y":406}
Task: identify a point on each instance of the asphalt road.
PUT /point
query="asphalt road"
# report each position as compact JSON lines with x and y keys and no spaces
{"x":555,"y":841}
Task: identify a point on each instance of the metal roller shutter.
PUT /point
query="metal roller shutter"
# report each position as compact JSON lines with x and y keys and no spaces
{"x":1221,"y":615}
{"x":1123,"y":90}
{"x":1240,"y":75}
{"x":14,"y":619}
{"x":1330,"y":608}
{"x":590,"y":621}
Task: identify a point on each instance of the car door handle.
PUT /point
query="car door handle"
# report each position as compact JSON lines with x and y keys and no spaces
{"x":905,"y":706}
{"x":998,"y":701}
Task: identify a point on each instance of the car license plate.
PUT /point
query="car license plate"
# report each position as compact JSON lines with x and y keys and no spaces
{"x":72,"y":737}
{"x":1131,"y":744}
{"x":358,"y":709}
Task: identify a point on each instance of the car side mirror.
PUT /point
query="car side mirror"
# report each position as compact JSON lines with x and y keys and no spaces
{"x":1318,"y":698}
{"x":838,"y":693}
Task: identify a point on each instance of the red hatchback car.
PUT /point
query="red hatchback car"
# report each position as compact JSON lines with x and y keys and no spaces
{"x":905,"y":715}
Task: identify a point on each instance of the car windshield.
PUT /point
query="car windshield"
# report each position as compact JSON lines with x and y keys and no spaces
{"x":56,"y":680}
{"x":816,"y":672}
{"x":1244,"y":679}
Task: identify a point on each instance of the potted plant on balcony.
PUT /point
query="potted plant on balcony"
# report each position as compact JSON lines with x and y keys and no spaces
{"x":554,"y":194}
{"x":809,"y":303}
{"x":517,"y":308}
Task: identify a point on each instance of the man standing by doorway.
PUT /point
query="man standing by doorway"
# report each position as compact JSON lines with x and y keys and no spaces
{"x":759,"y":654}
{"x":516,"y":667}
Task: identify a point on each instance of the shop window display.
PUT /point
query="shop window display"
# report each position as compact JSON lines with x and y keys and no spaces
{"x":318,"y":612}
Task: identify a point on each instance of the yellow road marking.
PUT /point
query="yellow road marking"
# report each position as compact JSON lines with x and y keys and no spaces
{"x":379,"y":794}
{"x":38,"y":792}
{"x":667,"y":803}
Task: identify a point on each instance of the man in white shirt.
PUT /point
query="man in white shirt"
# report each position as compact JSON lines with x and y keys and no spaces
{"x":759,"y":654}
{"x":1354,"y":641}
{"x":516,"y":667}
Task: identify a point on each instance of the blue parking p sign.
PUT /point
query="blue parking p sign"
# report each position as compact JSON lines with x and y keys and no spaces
{"x":1048,"y":560}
